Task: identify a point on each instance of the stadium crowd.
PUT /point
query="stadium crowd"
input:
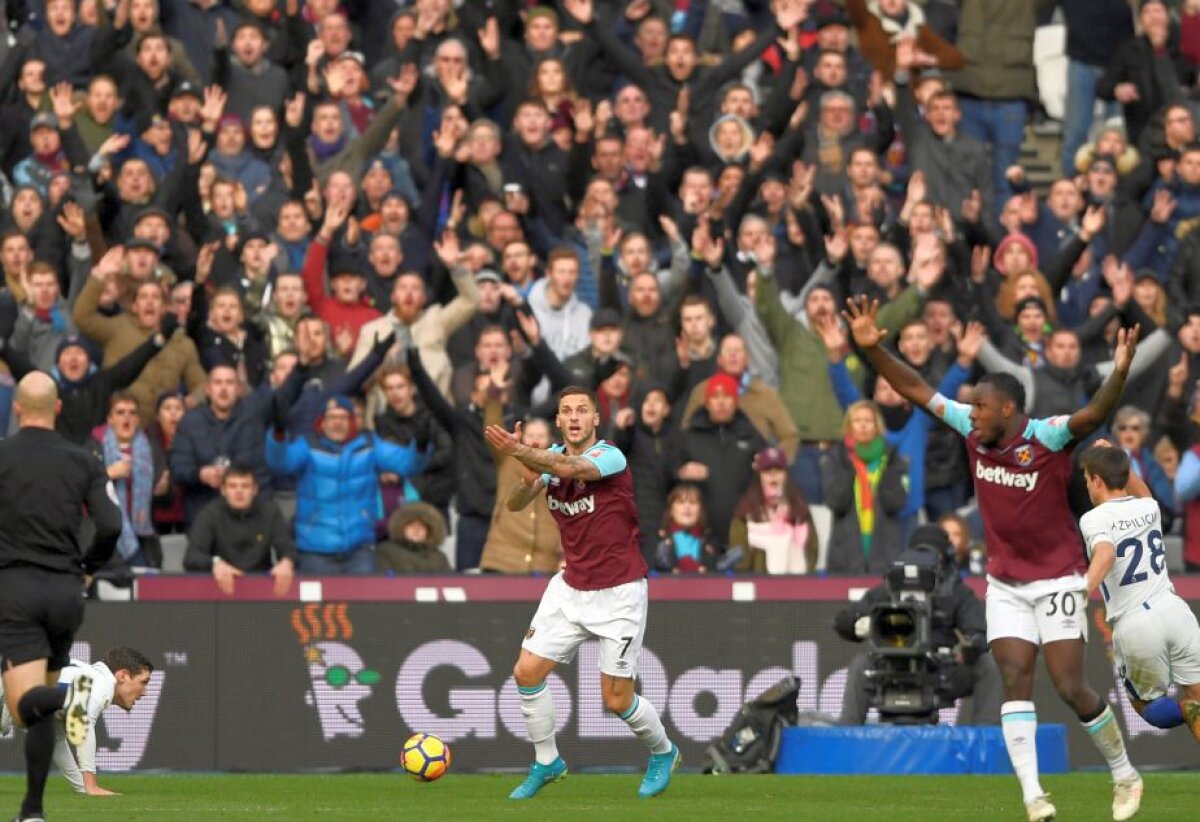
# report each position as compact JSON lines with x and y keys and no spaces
{"x":286,"y":258}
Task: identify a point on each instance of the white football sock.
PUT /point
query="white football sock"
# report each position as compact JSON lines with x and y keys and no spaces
{"x":537,"y":706}
{"x":1018,"y":720}
{"x":643,"y":720}
{"x":1106,"y":733}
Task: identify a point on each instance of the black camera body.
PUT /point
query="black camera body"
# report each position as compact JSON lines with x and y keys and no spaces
{"x":907,"y":674}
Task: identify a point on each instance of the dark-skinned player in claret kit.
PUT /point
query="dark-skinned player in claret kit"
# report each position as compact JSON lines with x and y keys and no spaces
{"x":1037,"y":591}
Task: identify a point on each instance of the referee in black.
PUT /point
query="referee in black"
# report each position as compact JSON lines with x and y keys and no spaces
{"x":45,"y":485}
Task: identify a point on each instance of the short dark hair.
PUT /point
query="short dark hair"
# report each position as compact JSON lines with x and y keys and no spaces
{"x":572,"y":390}
{"x":1007,"y":385}
{"x":238,"y":469}
{"x":130,"y":660}
{"x":1111,"y":465}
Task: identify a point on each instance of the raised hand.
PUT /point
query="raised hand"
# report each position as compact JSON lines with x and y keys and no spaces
{"x":970,"y":340}
{"x":585,"y":121}
{"x":529,"y":327}
{"x":790,"y":43}
{"x":765,"y":250}
{"x":1127,"y":339}
{"x":714,"y":254}
{"x":1177,"y":377}
{"x":972,"y":208}
{"x":833,"y":207}
{"x":832,"y":334}
{"x":499,"y":375}
{"x":62,"y":99}
{"x":335,"y":217}
{"x":114,"y":145}
{"x":800,"y":188}
{"x":790,"y":13}
{"x":335,"y":79}
{"x":1122,"y":286}
{"x":197,"y":147}
{"x":404,"y":83}
{"x":1092,"y":222}
{"x":581,"y":10}
{"x":501,"y":440}
{"x":906,"y":54}
{"x":860,"y":314}
{"x":917,"y":189}
{"x":489,"y":38}
{"x":213,"y":107}
{"x":836,"y":247}
{"x":448,"y":249}
{"x":761,"y":149}
{"x":444,"y":142}
{"x":293,"y":112}
{"x":1163,"y":206}
{"x":981,"y":257}
{"x":204,"y":261}
{"x":72,"y":221}
{"x":110,"y":264}
{"x":455,"y":85}
{"x":316,"y":51}
{"x":928,"y":262}
{"x":670,"y":228}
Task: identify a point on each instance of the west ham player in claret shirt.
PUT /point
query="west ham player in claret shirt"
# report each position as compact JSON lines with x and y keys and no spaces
{"x":601,"y":594}
{"x":1037,"y":592}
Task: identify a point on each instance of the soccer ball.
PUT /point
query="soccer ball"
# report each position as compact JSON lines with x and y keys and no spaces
{"x":425,"y":757}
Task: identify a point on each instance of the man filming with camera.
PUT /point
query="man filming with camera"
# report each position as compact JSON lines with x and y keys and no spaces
{"x":925,"y":633}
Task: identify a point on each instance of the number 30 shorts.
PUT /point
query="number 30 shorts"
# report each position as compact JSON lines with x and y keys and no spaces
{"x":566,"y":617}
{"x":1047,"y":610}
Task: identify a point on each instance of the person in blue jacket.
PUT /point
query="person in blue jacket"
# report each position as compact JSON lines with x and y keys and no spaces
{"x":907,"y":428}
{"x":337,"y":496}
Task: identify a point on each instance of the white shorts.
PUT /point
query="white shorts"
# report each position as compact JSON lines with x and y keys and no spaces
{"x":1156,"y":645}
{"x":1047,"y":610}
{"x":615,"y":616}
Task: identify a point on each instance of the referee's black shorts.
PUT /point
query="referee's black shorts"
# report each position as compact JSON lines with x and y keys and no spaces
{"x":40,"y":611}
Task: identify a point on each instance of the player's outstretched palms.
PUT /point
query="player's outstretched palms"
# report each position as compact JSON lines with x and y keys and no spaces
{"x":503,"y":441}
{"x":861,"y":313}
{"x":1127,"y":339}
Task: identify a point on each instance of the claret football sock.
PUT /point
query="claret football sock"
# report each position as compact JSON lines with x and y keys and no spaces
{"x":537,"y":706}
{"x":644,"y":721}
{"x":1106,"y":733}
{"x":1018,"y":720}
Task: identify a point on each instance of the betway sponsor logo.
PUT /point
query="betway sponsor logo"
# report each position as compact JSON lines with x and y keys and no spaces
{"x":999,"y":475}
{"x":583,"y":505}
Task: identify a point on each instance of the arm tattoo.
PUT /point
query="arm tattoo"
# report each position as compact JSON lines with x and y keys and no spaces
{"x":558,"y":465}
{"x":522,"y":494}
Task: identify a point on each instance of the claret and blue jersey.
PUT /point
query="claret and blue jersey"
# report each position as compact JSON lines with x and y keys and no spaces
{"x":597,"y":521}
{"x":1021,"y":487}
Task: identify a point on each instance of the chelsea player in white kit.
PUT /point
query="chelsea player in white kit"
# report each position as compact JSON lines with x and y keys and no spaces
{"x":119,"y":679}
{"x":1156,"y":638}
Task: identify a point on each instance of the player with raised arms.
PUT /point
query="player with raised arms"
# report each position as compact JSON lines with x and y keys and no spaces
{"x":1036,"y":593}
{"x":601,"y":594}
{"x":1156,"y":639}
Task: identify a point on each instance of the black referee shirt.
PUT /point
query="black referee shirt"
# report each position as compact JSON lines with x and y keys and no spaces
{"x":45,"y":485}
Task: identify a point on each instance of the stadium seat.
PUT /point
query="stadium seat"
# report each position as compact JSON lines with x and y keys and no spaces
{"x":107,"y":592}
{"x":1174,"y":546}
{"x":174,"y":546}
{"x":823,"y":520}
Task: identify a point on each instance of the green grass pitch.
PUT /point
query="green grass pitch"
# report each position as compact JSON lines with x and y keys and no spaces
{"x":198,"y":798}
